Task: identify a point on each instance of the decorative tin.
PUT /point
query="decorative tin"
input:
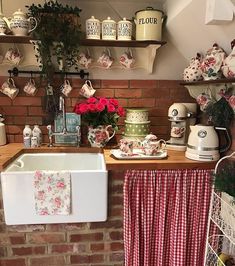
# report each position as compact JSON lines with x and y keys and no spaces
{"x":137,"y":115}
{"x":136,"y":129}
{"x":124,"y":30}
{"x":108,"y":29}
{"x":93,"y":28}
{"x":149,"y":24}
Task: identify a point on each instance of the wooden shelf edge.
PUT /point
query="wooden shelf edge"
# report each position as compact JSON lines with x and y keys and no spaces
{"x":114,"y":43}
{"x":205,"y":82}
{"x":117,"y":43}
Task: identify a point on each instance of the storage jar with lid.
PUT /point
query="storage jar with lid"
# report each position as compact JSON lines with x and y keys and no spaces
{"x":108,"y":29}
{"x":93,"y":28}
{"x":124,"y":30}
{"x":149,"y":24}
{"x":3,"y":139}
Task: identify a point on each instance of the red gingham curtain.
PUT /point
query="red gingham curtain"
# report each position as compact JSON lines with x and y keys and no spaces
{"x":165,"y":217}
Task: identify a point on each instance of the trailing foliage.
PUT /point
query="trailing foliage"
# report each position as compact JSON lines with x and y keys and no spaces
{"x":59,"y":33}
{"x":224,"y":179}
{"x":220,"y":113}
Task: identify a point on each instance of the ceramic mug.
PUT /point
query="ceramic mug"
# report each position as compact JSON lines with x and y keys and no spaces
{"x":204,"y":100}
{"x":177,"y":132}
{"x":9,"y":88}
{"x":127,"y":59}
{"x":105,"y":60}
{"x":66,"y":87}
{"x":30,"y":88}
{"x":87,"y":90}
{"x":13,"y":55}
{"x":84,"y":59}
{"x":126,"y":146}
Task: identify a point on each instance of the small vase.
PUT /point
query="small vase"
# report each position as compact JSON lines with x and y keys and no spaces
{"x":99,"y":136}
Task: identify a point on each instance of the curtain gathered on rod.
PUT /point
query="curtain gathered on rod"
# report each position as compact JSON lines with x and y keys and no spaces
{"x":165,"y":217}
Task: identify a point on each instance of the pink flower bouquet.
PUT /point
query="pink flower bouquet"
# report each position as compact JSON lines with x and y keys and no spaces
{"x":100,"y":111}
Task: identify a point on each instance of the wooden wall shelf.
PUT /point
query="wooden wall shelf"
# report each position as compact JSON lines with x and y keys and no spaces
{"x":207,"y":82}
{"x":113,"y":43}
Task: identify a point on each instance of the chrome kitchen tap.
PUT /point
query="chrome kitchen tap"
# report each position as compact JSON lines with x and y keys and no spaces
{"x":64,"y":131}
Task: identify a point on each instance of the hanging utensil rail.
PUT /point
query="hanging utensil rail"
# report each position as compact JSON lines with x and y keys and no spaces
{"x":15,"y":72}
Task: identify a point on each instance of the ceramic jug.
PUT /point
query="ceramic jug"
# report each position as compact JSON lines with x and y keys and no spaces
{"x":3,"y":24}
{"x":211,"y":64}
{"x":228,"y":67}
{"x":20,"y":25}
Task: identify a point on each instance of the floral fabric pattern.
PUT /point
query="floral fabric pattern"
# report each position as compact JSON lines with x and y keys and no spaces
{"x":52,"y":193}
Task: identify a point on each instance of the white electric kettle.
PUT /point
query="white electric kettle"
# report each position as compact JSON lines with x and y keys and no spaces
{"x":204,"y":145}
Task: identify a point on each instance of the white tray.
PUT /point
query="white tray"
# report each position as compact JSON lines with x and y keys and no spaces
{"x":138,"y":154}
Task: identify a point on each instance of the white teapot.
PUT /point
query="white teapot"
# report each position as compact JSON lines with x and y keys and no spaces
{"x":228,"y":67}
{"x":20,"y":25}
{"x":3,"y":24}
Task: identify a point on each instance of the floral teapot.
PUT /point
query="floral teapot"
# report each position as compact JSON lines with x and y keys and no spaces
{"x":193,"y":72}
{"x":20,"y":25}
{"x":151,"y":146}
{"x":228,"y":67}
{"x":3,"y":24}
{"x":212,"y":62}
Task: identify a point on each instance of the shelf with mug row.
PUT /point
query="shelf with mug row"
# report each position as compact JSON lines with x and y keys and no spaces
{"x":151,"y":46}
{"x":113,"y":43}
{"x":211,"y":87}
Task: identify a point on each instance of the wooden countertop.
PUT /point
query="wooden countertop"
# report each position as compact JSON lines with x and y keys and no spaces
{"x":175,"y":159}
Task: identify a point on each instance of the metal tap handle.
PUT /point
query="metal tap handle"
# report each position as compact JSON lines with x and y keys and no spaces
{"x":50,"y":134}
{"x":78,"y":128}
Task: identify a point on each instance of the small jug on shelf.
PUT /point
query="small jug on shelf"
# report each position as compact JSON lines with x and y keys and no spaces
{"x":3,"y":24}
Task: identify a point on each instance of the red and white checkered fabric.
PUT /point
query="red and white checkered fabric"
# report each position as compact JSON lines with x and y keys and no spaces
{"x":165,"y":217}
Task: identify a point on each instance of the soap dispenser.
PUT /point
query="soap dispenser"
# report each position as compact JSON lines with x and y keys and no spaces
{"x":3,"y":139}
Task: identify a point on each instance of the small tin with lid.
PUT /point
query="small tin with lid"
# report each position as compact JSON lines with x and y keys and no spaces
{"x":124,"y":30}
{"x":93,"y":28}
{"x":109,"y":29}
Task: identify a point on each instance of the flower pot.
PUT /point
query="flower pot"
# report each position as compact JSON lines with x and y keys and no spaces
{"x":99,"y":136}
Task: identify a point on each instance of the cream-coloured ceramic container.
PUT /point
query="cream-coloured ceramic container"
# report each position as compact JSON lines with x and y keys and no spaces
{"x":109,"y":29}
{"x":93,"y":28}
{"x":124,"y":30}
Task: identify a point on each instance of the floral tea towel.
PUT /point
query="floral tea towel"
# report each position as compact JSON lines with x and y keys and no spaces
{"x":52,"y":193}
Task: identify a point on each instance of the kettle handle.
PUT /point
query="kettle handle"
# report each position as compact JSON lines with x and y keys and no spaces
{"x":226,"y":146}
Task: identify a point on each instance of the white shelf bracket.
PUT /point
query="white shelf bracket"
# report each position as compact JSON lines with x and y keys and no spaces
{"x":152,"y":48}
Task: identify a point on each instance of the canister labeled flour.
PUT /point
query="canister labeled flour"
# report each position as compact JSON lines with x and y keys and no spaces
{"x":92,"y":28}
{"x":149,"y":24}
{"x":124,"y":30}
{"x":108,"y":29}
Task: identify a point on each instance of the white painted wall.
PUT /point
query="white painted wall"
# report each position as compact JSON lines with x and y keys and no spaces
{"x":185,"y":33}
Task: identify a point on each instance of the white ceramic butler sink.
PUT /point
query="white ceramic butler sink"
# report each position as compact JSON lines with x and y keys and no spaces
{"x":88,"y":187}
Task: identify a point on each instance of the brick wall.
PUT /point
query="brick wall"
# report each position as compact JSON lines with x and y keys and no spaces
{"x":80,"y":243}
{"x":157,"y":95}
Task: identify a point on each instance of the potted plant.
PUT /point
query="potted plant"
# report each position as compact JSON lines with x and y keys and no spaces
{"x":59,"y":33}
{"x":100,"y":115}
